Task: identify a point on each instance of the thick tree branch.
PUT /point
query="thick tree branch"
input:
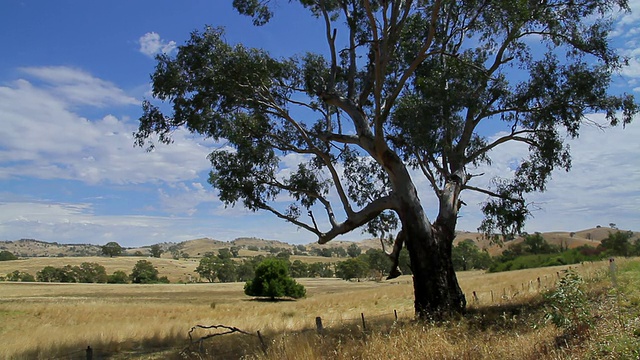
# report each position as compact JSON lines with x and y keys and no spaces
{"x":491,"y":193}
{"x":511,"y":137}
{"x":359,"y":218}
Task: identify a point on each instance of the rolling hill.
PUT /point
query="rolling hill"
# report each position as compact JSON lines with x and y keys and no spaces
{"x":26,"y":248}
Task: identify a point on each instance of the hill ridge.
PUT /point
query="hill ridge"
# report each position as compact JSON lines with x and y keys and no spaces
{"x":198,"y":247}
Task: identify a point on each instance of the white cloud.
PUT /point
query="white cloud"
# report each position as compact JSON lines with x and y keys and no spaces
{"x":601,"y":187}
{"x":182,"y":198}
{"x":43,"y":137}
{"x":77,"y":87}
{"x":151,"y":44}
{"x":76,"y":222}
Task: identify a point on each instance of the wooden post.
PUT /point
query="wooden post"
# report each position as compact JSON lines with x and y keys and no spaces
{"x":364,"y":326}
{"x":319,"y":324}
{"x":491,"y":295}
{"x":89,"y":353}
{"x":539,"y":283}
{"x":612,"y":271}
{"x":264,"y":346}
{"x":475,"y":297}
{"x":395,"y":313}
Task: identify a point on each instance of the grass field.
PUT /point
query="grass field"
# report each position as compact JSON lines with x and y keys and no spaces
{"x":41,"y":320}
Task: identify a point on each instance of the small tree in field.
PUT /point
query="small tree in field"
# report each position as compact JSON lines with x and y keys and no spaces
{"x":112,"y":249}
{"x":156,"y":251}
{"x":272,"y":280}
{"x":144,"y":273}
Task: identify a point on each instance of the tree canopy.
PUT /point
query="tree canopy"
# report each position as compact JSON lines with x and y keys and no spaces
{"x":112,"y":249}
{"x":404,"y":91}
{"x":272,"y":280}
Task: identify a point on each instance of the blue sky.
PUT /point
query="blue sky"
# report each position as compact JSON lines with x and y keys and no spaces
{"x":73,"y":75}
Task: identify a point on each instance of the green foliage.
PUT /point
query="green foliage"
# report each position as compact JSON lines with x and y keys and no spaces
{"x":156,"y":250}
{"x":272,"y":280}
{"x":221,"y":268}
{"x":320,"y":269}
{"x":466,"y":255}
{"x":354,"y":268}
{"x":536,"y":244}
{"x":619,"y":244}
{"x":378,"y":261}
{"x":354,"y":250}
{"x":91,"y":273}
{"x":226,"y":271}
{"x":568,"y":306}
{"x":572,"y":256}
{"x":85,"y":273}
{"x":7,"y":255}
{"x":299,"y":269}
{"x":112,"y":249}
{"x":20,"y":276}
{"x":235,"y":251}
{"x":118,"y":277}
{"x":224,"y":254}
{"x":144,"y":272}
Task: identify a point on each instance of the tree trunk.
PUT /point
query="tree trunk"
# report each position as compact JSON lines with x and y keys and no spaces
{"x":436,"y":289}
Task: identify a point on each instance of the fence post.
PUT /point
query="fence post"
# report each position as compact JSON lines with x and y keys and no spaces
{"x":395,"y":313}
{"x":89,"y":353}
{"x":612,"y":271}
{"x":364,"y":326}
{"x":492,"y":296}
{"x":475,"y":297}
{"x":319,"y":324}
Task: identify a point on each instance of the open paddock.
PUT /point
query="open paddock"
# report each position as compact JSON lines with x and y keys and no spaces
{"x":40,"y":320}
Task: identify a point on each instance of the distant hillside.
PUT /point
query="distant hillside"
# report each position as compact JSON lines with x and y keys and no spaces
{"x":591,"y":237}
{"x":254,"y":246}
{"x":37,"y":248}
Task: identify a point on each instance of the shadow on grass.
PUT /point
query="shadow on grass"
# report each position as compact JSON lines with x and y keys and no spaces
{"x":270,"y":300}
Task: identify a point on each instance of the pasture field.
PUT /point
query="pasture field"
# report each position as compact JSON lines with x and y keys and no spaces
{"x":43,"y":320}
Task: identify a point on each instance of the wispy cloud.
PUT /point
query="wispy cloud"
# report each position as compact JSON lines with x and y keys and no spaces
{"x":601,"y":187}
{"x":43,"y":137}
{"x":77,"y":87}
{"x":151,"y":44}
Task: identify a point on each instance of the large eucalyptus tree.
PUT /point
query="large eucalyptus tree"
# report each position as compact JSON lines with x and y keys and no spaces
{"x":401,"y":91}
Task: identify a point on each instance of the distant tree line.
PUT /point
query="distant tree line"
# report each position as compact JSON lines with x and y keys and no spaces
{"x":227,"y":266}
{"x":143,"y":272}
{"x":534,"y":251}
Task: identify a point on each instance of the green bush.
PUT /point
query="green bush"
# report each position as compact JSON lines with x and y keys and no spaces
{"x":7,"y":255}
{"x":118,"y":277}
{"x":144,"y":273}
{"x":568,"y":306}
{"x":272,"y":280}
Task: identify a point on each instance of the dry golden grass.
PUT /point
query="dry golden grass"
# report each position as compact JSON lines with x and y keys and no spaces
{"x":39,"y":320}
